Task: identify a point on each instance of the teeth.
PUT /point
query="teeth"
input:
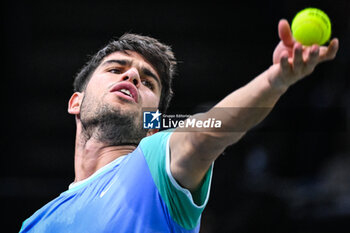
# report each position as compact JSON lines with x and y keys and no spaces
{"x":127,"y":92}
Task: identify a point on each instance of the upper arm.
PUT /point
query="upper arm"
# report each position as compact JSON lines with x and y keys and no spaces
{"x":184,"y":207}
{"x":191,"y":155}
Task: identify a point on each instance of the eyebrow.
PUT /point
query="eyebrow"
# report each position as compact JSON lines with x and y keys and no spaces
{"x":122,"y":62}
{"x":125,"y":62}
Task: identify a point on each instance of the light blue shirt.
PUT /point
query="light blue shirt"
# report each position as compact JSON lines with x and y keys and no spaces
{"x":134,"y":193}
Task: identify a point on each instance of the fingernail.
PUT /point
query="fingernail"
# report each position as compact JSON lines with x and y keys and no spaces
{"x":314,"y":48}
{"x":298,"y":46}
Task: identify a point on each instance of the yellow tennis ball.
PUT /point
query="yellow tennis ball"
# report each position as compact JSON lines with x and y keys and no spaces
{"x":311,"y":26}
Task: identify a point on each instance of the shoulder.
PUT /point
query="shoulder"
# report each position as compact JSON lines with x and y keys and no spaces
{"x":179,"y":201}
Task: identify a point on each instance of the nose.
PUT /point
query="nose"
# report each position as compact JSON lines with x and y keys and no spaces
{"x":132,"y":75}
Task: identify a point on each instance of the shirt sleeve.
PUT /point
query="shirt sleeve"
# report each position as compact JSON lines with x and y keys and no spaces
{"x":184,"y":209}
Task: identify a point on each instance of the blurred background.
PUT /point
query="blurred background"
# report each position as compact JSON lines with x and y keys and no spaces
{"x":289,"y":174}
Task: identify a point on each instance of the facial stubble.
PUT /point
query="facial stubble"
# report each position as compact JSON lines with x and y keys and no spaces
{"x":110,"y":124}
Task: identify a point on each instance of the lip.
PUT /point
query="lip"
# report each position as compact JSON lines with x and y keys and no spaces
{"x":126,"y":85}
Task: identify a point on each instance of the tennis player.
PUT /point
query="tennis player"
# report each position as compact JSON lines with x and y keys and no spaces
{"x":131,"y":179}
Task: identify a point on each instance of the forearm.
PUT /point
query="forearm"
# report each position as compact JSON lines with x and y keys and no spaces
{"x":250,"y":104}
{"x":239,"y":111}
{"x":258,"y":93}
{"x":244,"y":108}
{"x":193,"y":152}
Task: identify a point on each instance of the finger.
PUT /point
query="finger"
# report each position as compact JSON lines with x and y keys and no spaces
{"x":285,"y":33}
{"x":329,"y":53}
{"x":284,"y":63}
{"x":312,"y":58}
{"x":298,"y":61}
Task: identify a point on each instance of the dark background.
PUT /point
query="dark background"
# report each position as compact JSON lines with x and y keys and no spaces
{"x":283,"y":176}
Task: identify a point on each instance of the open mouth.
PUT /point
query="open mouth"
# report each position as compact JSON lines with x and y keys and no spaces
{"x":126,"y":90}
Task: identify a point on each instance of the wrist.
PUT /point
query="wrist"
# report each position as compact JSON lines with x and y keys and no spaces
{"x":275,"y":79}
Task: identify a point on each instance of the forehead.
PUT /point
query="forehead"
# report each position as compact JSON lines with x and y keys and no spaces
{"x":135,"y":59}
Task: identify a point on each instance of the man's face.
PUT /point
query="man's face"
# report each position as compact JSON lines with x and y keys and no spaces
{"x":127,"y":81}
{"x":112,"y":102}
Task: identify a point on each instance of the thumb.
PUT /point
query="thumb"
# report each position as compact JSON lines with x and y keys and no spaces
{"x":285,"y":33}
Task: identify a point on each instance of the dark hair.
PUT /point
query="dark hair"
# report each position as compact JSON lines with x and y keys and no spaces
{"x":158,"y":54}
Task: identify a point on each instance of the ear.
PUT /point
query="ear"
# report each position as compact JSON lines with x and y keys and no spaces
{"x":74,"y":103}
{"x":152,"y":131}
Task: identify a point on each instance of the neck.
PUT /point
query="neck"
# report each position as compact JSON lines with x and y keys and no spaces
{"x":91,"y":155}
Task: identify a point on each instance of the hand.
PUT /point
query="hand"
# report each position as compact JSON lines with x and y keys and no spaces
{"x":294,"y":61}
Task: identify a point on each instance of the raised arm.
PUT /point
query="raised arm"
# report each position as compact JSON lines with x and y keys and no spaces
{"x":192,"y":153}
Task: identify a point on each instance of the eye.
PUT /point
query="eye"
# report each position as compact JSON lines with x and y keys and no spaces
{"x":115,"y":71}
{"x":148,"y":84}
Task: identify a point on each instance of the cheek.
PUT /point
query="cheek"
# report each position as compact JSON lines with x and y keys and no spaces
{"x":150,"y":99}
{"x":95,"y":84}
{"x":96,"y":88}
